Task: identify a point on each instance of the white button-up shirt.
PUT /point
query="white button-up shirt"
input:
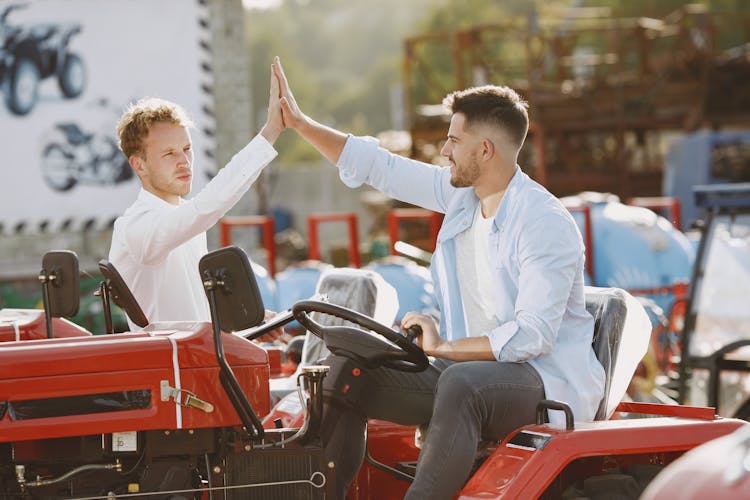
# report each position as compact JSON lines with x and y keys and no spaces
{"x":156,"y":246}
{"x":537,"y":258}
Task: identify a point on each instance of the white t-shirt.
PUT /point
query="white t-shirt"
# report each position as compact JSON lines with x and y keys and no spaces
{"x":156,"y":246}
{"x":475,"y":276}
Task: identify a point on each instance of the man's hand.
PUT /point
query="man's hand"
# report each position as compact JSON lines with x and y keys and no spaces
{"x":273,"y":334}
{"x":430,"y":340}
{"x":328,"y":141}
{"x":275,"y":121}
{"x":293,"y":116}
{"x":466,"y":349}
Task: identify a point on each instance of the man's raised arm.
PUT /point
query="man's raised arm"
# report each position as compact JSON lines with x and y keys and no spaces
{"x":329,"y":142}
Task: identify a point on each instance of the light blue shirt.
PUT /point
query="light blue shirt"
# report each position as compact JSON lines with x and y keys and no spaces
{"x":537,"y":257}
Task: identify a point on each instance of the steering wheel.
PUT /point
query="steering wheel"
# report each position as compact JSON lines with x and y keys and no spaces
{"x":396,"y":351}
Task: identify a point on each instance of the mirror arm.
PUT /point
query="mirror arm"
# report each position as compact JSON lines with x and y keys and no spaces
{"x":45,"y":278}
{"x":232,"y":387}
{"x":106,"y":306}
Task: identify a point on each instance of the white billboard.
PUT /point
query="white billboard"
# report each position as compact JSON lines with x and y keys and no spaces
{"x":68,"y":68}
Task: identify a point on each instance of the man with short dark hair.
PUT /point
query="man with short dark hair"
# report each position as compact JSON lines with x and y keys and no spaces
{"x":508,"y":275}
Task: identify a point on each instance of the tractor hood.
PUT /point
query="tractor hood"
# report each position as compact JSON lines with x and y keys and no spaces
{"x":130,"y":381}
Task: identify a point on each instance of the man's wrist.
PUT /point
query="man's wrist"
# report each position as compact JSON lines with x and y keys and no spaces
{"x":270,"y":133}
{"x":439,"y":347}
{"x":302,"y":126}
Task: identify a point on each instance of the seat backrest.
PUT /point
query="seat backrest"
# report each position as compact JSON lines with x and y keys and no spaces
{"x":609,"y":307}
{"x":361,"y":290}
{"x":121,"y":295}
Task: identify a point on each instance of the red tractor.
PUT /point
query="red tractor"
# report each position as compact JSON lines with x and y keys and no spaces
{"x":174,"y":411}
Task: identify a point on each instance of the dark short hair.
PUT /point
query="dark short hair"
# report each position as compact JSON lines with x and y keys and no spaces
{"x":492,"y":105}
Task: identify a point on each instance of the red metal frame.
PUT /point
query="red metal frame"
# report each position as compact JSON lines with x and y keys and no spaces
{"x":661,"y":203}
{"x":587,"y":237}
{"x":314,"y":220}
{"x":396,"y":215}
{"x":678,"y":289}
{"x":227,"y":223}
{"x":697,"y":412}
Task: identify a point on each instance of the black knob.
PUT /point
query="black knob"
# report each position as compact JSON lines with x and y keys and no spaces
{"x":413,"y":332}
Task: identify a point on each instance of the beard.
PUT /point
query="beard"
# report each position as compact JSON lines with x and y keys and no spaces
{"x":465,"y":175}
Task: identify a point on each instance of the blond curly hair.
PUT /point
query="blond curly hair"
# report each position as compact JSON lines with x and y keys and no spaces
{"x":138,"y":119}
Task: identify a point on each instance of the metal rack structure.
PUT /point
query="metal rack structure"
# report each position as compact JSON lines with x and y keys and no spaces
{"x":603,"y":91}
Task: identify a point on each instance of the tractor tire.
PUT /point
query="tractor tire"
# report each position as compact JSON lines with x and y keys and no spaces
{"x":72,"y":76}
{"x":22,"y":86}
{"x":56,"y":168}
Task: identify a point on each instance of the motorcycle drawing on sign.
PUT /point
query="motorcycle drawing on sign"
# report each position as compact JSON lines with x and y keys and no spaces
{"x":29,"y":54}
{"x":77,"y":155}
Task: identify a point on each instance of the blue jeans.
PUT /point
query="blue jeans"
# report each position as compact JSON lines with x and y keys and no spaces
{"x":463,"y":403}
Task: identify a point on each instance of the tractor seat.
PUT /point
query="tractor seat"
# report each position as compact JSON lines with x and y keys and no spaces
{"x":120,"y":294}
{"x":609,"y":308}
{"x":361,"y":290}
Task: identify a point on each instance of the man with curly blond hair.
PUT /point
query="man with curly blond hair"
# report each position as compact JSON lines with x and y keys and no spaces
{"x":158,"y":242}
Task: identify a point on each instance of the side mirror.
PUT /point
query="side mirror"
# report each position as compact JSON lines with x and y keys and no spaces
{"x":235,"y":303}
{"x":228,"y":275}
{"x":60,"y":285}
{"x":60,"y":276}
{"x":115,"y":289}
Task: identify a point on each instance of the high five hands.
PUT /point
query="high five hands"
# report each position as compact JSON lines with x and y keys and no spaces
{"x":328,"y":141}
{"x":291,"y":114}
{"x":274,"y":121}
{"x":283,"y":111}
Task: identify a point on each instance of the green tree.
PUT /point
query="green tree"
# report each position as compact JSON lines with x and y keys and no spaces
{"x":341,"y":56}
{"x":344,"y":57}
